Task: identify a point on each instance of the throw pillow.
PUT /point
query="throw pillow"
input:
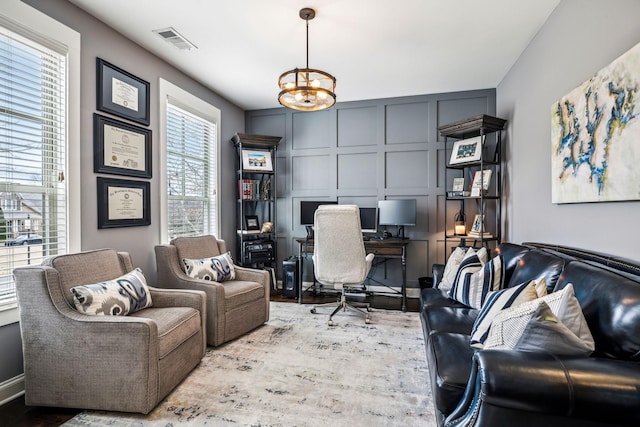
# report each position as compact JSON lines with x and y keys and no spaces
{"x":495,"y":302}
{"x":451,"y":268}
{"x":118,"y":297}
{"x":216,"y":269}
{"x":509,"y":325}
{"x":474,"y":281}
{"x":545,"y":332}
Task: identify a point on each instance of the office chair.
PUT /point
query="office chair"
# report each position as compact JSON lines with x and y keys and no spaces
{"x":339,"y":258}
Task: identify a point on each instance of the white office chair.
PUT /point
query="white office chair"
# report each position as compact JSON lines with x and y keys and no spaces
{"x":339,"y":259}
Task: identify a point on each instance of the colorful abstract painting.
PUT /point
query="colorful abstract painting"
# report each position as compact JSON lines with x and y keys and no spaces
{"x":595,"y":136}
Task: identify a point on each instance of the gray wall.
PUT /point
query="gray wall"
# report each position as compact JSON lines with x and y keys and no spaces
{"x":100,"y":40}
{"x":579,"y":38}
{"x":365,"y":151}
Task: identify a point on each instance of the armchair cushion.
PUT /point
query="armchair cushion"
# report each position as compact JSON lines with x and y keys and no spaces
{"x":217,"y":269}
{"x":118,"y":297}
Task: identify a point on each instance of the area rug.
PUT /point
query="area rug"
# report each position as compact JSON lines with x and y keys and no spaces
{"x":298,"y":371}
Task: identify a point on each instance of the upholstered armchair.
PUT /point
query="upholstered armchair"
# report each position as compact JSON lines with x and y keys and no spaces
{"x":234,"y":307}
{"x":125,"y":363}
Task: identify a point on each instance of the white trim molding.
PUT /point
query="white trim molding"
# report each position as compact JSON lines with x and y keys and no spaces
{"x":11,"y":389}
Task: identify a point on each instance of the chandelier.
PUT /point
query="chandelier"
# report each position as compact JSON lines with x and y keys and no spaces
{"x":307,"y":89}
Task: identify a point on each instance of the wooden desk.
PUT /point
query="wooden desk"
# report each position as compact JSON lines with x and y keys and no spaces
{"x":387,"y":248}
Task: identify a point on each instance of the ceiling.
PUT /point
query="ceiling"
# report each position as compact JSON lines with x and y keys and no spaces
{"x":374,"y":48}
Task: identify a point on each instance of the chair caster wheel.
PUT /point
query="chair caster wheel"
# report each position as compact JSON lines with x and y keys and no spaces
{"x":313,"y":310}
{"x":367,"y":320}
{"x":330,"y":322}
{"x":369,"y":309}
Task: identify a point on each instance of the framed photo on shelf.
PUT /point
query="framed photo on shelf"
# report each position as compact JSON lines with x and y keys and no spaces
{"x":121,"y":93}
{"x":466,"y":150}
{"x":252,"y":223}
{"x":256,"y":160}
{"x":481,"y":182}
{"x":121,"y":148}
{"x":123,"y":203}
{"x":458,"y":184}
{"x":478,"y":224}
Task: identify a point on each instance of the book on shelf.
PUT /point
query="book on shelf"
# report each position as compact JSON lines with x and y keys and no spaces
{"x":458,"y":193}
{"x":253,"y":189}
{"x":479,"y":235}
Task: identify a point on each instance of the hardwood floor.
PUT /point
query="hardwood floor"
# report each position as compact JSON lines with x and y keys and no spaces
{"x":17,"y":414}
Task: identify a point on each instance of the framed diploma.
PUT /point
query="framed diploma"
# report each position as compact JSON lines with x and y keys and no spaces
{"x":121,"y":93}
{"x":120,"y":148}
{"x":123,"y":203}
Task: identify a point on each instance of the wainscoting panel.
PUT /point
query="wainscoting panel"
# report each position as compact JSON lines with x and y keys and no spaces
{"x":364,"y":151}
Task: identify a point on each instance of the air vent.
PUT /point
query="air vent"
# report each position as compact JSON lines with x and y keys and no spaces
{"x":175,"y":38}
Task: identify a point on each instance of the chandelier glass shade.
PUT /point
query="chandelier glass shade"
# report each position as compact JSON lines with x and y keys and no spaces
{"x":307,"y":89}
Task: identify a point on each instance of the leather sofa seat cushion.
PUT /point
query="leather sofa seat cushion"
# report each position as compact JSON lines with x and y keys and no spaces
{"x":450,"y":360}
{"x":450,"y":319}
{"x":175,"y":325}
{"x":432,"y":297}
{"x":240,"y":292}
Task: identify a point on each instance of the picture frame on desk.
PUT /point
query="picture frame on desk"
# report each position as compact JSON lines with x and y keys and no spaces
{"x":466,"y":151}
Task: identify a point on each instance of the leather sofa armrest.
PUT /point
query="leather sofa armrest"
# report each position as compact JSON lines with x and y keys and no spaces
{"x":532,"y":382}
{"x":437,"y":270}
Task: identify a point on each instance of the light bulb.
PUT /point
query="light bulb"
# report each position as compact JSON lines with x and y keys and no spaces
{"x":315,"y":83}
{"x":299,"y":96}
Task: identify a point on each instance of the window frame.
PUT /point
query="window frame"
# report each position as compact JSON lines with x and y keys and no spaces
{"x":40,"y":28}
{"x":189,"y":102}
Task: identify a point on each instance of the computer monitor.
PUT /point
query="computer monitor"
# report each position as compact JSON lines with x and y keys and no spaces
{"x":307,"y":211}
{"x":369,"y":220}
{"x":399,"y":212}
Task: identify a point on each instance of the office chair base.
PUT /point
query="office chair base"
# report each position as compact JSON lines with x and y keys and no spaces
{"x":342,"y":304}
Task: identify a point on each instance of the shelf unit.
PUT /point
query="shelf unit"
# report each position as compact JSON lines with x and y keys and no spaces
{"x":256,"y":170}
{"x":487,"y":204}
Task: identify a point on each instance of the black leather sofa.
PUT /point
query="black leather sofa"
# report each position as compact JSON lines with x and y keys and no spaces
{"x":517,"y":388}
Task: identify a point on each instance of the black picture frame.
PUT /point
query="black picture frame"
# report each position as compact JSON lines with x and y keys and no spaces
{"x":131,"y":98}
{"x":128,"y":154}
{"x":123,"y":203}
{"x":252,"y":222}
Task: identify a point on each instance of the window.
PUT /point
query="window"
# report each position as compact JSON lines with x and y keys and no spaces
{"x":190,"y":140}
{"x":36,"y":135}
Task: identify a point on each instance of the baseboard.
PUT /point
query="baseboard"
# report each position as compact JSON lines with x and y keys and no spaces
{"x":11,"y":389}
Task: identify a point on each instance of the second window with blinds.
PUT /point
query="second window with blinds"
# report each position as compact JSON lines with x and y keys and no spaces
{"x":189,"y":155}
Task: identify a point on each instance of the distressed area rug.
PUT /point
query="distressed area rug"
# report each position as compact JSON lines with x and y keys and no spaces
{"x":297,"y":371}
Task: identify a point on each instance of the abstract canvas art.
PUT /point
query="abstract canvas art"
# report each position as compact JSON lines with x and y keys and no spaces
{"x":595,"y":136}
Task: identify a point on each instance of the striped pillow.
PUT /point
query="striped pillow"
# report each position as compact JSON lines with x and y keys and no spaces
{"x":474,"y":281}
{"x":495,"y":302}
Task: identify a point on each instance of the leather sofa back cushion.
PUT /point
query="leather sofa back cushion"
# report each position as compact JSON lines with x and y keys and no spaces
{"x":611,"y":306}
{"x":535,"y":265}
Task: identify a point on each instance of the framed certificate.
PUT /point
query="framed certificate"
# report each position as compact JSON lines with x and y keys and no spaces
{"x":121,"y":93}
{"x":123,"y":203}
{"x":120,"y":148}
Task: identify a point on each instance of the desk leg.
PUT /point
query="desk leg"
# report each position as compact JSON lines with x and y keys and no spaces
{"x":301,"y":276}
{"x":404,"y":279}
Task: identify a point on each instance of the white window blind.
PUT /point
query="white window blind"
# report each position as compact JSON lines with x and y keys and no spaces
{"x":191,"y":173}
{"x":33,"y":221}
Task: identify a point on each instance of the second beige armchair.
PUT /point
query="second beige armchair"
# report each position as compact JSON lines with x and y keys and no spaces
{"x":234,"y":307}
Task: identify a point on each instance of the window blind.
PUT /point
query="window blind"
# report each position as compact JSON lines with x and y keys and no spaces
{"x":33,"y":200}
{"x":191,"y":173}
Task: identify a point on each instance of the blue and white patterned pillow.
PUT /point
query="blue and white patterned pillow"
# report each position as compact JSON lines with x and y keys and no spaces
{"x":117,"y":297}
{"x":474,"y":281}
{"x":495,"y":302}
{"x":216,"y":269}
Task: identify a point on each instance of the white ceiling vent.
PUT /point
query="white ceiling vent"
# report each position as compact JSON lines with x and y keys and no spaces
{"x":175,"y":38}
